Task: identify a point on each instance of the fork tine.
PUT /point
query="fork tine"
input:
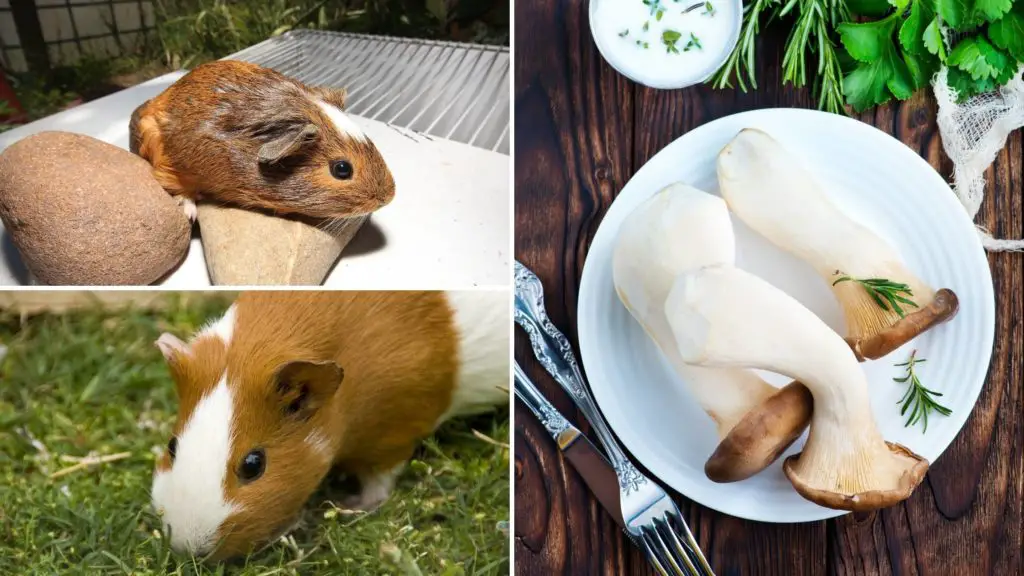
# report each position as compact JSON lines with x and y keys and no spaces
{"x":673,"y":542}
{"x":691,"y":542}
{"x":666,"y":559}
{"x":652,"y":556}
{"x":679,"y":558}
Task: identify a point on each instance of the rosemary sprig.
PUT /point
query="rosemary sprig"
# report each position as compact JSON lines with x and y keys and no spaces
{"x":884,"y":292}
{"x":918,"y":399}
{"x":810,"y":33}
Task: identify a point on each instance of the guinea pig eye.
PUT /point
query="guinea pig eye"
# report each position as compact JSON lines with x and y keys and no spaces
{"x":172,"y":447}
{"x":252,"y":465}
{"x":341,"y":169}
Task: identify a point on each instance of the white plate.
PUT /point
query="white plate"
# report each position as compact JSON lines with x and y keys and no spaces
{"x":881,"y":183}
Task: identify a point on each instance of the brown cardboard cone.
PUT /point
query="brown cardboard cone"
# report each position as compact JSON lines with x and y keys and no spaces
{"x":247,"y":248}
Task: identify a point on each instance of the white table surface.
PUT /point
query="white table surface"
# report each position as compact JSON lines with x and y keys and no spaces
{"x":448,"y":227}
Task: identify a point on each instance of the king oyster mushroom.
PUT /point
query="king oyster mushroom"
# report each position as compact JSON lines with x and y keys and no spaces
{"x":682,"y":229}
{"x":769,"y":189}
{"x":724,"y":317}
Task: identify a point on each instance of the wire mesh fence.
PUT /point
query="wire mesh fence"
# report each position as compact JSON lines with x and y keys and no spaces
{"x":45,"y":32}
{"x":444,"y":89}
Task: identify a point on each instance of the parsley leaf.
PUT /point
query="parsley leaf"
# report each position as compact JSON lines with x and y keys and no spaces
{"x":913,"y":29}
{"x":979,"y":58}
{"x":933,"y":41}
{"x":953,"y":12}
{"x":980,"y":68}
{"x":881,"y":72}
{"x":867,"y":41}
{"x":921,"y":68}
{"x":875,"y":8}
{"x":991,"y":10}
{"x":1008,"y":32}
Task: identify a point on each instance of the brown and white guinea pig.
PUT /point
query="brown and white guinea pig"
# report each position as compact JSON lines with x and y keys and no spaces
{"x":288,"y":385}
{"x":238,"y":133}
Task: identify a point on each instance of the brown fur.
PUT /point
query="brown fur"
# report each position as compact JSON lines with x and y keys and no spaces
{"x":398,"y":355}
{"x":203,"y":135}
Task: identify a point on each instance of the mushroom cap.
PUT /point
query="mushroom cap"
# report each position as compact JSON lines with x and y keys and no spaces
{"x":942,"y":308}
{"x":912,"y":469}
{"x":763,"y":434}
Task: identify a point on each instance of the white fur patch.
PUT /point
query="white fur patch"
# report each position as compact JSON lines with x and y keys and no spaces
{"x":190,"y":496}
{"x":320,"y":444}
{"x":483,"y":321}
{"x":342,"y":122}
{"x":222,"y":328}
{"x":374,"y":489}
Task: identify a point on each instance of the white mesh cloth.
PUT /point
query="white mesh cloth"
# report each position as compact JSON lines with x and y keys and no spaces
{"x":973,"y":133}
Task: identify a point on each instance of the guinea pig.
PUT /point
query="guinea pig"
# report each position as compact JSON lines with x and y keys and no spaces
{"x":289,"y":385}
{"x":238,"y":133}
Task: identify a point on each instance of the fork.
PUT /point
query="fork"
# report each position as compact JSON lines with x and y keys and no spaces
{"x":649,"y":513}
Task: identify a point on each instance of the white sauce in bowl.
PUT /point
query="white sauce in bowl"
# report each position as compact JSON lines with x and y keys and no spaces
{"x":655,"y":43}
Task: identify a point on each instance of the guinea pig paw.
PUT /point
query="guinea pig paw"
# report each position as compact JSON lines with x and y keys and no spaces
{"x":189,"y":208}
{"x":375,"y":490}
{"x":365,"y":501}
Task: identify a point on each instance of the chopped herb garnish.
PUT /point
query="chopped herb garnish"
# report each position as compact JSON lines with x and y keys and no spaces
{"x":659,"y":14}
{"x":624,"y":33}
{"x":670,"y":38}
{"x":695,"y":41}
{"x":647,"y":25}
{"x":643,"y":45}
{"x":709,"y":10}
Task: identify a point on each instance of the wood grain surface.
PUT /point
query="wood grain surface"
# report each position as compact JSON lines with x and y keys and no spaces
{"x":581,"y":131}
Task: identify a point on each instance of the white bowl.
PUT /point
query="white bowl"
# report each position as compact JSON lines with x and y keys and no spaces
{"x":670,"y":84}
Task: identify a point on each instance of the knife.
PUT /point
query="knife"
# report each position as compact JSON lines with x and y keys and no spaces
{"x":591,"y":465}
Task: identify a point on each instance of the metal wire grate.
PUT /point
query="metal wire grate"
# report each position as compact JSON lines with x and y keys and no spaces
{"x":445,"y":89}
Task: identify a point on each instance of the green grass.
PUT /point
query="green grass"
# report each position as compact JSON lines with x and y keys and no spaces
{"x":92,"y":382}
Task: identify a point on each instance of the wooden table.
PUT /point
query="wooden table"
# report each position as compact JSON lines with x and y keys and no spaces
{"x":581,"y":131}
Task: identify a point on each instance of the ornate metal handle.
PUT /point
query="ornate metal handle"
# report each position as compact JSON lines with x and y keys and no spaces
{"x":548,"y":415}
{"x":554,"y":352}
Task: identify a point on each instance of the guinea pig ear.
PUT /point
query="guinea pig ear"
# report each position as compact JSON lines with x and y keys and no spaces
{"x":172,"y":347}
{"x":287,"y":144}
{"x":303,"y":387}
{"x":333,"y":96}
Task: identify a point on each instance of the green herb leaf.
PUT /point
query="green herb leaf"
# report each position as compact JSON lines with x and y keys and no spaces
{"x":900,"y":5}
{"x":669,"y":38}
{"x":873,"y":83}
{"x":867,"y":42}
{"x":991,"y":10}
{"x":885,"y":293}
{"x":953,"y":12}
{"x":624,"y":33}
{"x":913,"y":28}
{"x":921,"y":69}
{"x":1008,"y":32}
{"x":933,"y":41}
{"x":874,"y":8}
{"x":979,"y":58}
{"x":659,"y":15}
{"x":919,"y":399}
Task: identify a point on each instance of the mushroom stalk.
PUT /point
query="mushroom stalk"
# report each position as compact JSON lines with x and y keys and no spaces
{"x":724,"y":317}
{"x":681,"y":229}
{"x":769,"y":189}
